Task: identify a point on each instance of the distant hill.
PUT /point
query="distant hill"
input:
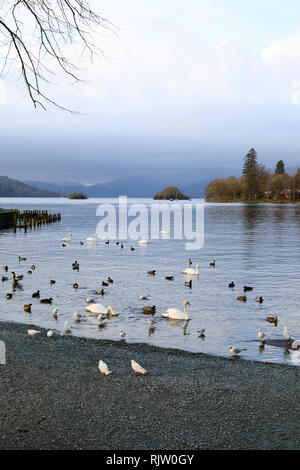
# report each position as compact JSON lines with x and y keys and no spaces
{"x":15,"y":188}
{"x":171,"y":193}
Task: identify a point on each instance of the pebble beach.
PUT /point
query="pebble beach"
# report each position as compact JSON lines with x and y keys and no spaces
{"x":52,"y":396}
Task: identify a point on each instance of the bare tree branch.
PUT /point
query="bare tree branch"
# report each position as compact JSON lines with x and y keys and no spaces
{"x":34,"y":33}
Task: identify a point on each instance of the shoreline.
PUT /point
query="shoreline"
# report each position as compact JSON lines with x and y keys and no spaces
{"x":54,"y":397}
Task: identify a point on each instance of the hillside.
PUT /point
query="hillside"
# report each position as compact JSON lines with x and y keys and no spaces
{"x":15,"y":188}
{"x":171,"y":193}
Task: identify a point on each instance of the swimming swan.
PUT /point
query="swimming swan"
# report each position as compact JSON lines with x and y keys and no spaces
{"x":99,"y":308}
{"x":191,"y":271}
{"x":174,"y":314}
{"x":92,"y":239}
{"x":67,"y":239}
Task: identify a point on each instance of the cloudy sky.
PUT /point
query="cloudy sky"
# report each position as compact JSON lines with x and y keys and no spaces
{"x":184,"y":89}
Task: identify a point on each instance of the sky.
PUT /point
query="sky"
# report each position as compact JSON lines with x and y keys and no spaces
{"x":182,"y":90}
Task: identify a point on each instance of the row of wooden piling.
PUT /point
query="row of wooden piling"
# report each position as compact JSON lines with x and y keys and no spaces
{"x":34,"y":218}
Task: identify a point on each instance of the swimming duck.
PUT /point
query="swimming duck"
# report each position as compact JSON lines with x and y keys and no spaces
{"x":152,"y":273}
{"x":259,"y":299}
{"x":36,"y":294}
{"x":131,"y":248}
{"x":272,"y":320}
{"x":100,"y":292}
{"x":27,"y":308}
{"x":5,"y":268}
{"x":22,"y":259}
{"x":9,"y":296}
{"x":104,"y":284}
{"x":75,"y":265}
{"x":4,"y":278}
{"x":29,"y":272}
{"x":188,"y":283}
{"x":32,"y":267}
{"x":149,"y":310}
{"x":107,"y":242}
{"x":110,"y":280}
{"x":242,"y":297}
{"x":247,"y":288}
{"x":52,"y":281}
{"x":46,"y":301}
{"x":170,"y":278}
{"x":231,"y":284}
{"x":75,"y":285}
{"x":213,"y":263}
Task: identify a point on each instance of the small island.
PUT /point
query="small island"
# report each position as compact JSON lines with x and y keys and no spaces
{"x":171,"y":193}
{"x":78,"y":196}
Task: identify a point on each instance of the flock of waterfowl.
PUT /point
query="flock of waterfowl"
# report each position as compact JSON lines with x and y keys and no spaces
{"x":102,"y":312}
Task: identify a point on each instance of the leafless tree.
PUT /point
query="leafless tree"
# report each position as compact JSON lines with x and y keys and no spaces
{"x":34,"y":35}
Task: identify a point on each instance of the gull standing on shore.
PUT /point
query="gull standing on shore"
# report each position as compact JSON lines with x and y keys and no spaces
{"x":103,"y":368}
{"x":234,"y":351}
{"x":67,"y":326}
{"x":33,"y":333}
{"x":261,"y":336}
{"x":137,"y":368}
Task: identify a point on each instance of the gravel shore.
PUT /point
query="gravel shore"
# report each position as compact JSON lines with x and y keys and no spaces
{"x":52,"y":396}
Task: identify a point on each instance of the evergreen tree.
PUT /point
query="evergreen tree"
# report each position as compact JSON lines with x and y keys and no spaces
{"x":250,"y":161}
{"x":280,"y":170}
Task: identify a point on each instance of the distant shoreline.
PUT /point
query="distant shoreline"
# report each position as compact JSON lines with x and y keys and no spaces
{"x":54,"y":397}
{"x":261,"y":201}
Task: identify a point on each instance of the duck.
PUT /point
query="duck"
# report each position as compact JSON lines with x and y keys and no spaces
{"x":169,"y":278}
{"x":151,"y":322}
{"x":104,"y":284}
{"x":5,"y":268}
{"x":66,"y":240}
{"x":117,"y":243}
{"x":137,"y":368}
{"x":259,"y":299}
{"x":29,"y":272}
{"x":63,"y":245}
{"x":46,"y":301}
{"x":75,"y":265}
{"x":122,"y":246}
{"x":131,"y":248}
{"x":32,"y":267}
{"x":107,"y":242}
{"x":52,"y":281}
{"x":22,"y":259}
{"x":201,"y":332}
{"x":77,"y":316}
{"x":9,"y":296}
{"x":103,"y":368}
{"x":213,"y":263}
{"x":75,"y":285}
{"x":4,"y":278}
{"x":152,"y":273}
{"x":143,"y":242}
{"x":272,"y":320}
{"x":188,"y":283}
{"x":143,"y":297}
{"x":99,"y":308}
{"x":247,"y":288}
{"x":110,"y":280}
{"x":27,"y":308}
{"x":175,"y":314}
{"x":149,"y":310}
{"x":231,"y":284}
{"x":81,"y":243}
{"x":190,"y":262}
{"x":242,"y":297}
{"x":191,"y":271}
{"x":100,"y":292}
{"x":92,"y":239}
{"x":36,"y":294}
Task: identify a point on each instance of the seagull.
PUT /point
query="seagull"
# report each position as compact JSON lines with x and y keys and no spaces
{"x":67,"y":326}
{"x":88,"y":300}
{"x":33,"y":333}
{"x":285,"y":333}
{"x":54,"y":311}
{"x":201,"y":332}
{"x":103,"y":368}
{"x":137,"y":368}
{"x":77,"y":316}
{"x":51,"y":333}
{"x":122,"y":334}
{"x":261,"y":336}
{"x":235,"y":351}
{"x":151,"y":322}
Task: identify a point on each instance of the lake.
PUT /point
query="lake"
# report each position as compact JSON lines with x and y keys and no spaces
{"x":254,"y":245}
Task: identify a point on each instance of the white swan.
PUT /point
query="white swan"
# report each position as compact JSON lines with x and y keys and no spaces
{"x":99,"y":308}
{"x":191,"y":271}
{"x":92,"y":239}
{"x":67,"y":239}
{"x":143,"y":242}
{"x":174,"y":314}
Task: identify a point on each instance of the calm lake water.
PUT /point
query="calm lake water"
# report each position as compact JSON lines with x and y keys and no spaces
{"x":255,"y":245}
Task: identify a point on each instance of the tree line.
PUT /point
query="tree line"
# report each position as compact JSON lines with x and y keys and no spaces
{"x":256,"y":183}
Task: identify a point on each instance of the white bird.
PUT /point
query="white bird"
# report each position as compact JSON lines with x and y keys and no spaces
{"x":50,"y":333}
{"x":137,"y":368}
{"x":101,"y":317}
{"x":67,"y":239}
{"x":92,"y":239}
{"x":77,"y":316}
{"x":201,"y":332}
{"x":151,"y":322}
{"x":67,"y":326}
{"x":122,"y":334}
{"x":143,"y":242}
{"x":164,"y":232}
{"x":33,"y":333}
{"x":143,"y":297}
{"x":261,"y":335}
{"x":236,"y":350}
{"x":174,"y":314}
{"x":89,"y":301}
{"x":103,"y":368}
{"x":54,"y":311}
{"x":99,"y":308}
{"x":191,"y":271}
{"x":285,"y":333}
